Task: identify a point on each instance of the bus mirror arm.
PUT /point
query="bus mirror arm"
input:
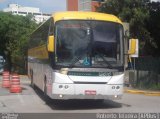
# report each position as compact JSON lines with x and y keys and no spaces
{"x":51,"y":42}
{"x":132,"y":47}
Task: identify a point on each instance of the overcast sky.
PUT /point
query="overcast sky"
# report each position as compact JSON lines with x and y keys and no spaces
{"x":156,"y":0}
{"x":46,"y":6}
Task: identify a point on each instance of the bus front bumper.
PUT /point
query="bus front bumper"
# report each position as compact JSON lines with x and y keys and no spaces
{"x":86,"y":91}
{"x":67,"y":97}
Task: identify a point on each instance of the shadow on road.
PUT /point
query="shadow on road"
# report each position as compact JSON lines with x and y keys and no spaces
{"x":77,"y":104}
{"x":85,"y":104}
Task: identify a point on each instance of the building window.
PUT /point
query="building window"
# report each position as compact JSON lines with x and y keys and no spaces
{"x":84,"y":5}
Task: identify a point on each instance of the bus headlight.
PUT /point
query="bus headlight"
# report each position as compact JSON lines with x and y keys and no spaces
{"x":116,"y":88}
{"x":63,"y":86}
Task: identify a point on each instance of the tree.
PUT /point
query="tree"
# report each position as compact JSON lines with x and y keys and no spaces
{"x":14,"y":35}
{"x":144,"y":19}
{"x":135,"y":12}
{"x":153,"y":25}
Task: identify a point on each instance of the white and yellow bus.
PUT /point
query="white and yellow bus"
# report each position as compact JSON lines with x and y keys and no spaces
{"x":78,"y":55}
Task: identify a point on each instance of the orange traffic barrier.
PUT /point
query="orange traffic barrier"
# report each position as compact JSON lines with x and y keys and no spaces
{"x":15,"y":84}
{"x":6,"y":79}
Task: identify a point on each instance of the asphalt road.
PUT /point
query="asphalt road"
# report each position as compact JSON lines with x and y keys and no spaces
{"x":33,"y":101}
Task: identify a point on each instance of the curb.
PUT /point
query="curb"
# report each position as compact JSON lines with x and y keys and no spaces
{"x":23,"y":75}
{"x":148,"y":93}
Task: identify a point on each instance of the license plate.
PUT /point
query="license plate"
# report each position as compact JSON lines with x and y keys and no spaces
{"x":90,"y":92}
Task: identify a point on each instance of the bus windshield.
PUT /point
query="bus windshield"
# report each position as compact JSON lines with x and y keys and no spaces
{"x":82,"y":43}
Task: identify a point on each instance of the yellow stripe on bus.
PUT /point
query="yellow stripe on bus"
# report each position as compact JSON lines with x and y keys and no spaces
{"x":39,"y":52}
{"x":85,"y":16}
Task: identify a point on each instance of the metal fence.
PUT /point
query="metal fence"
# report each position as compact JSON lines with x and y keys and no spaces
{"x":145,"y":73}
{"x":148,"y":64}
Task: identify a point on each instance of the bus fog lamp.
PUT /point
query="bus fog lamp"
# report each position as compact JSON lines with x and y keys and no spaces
{"x":118,"y":87}
{"x":113,"y":87}
{"x":60,"y":86}
{"x":66,"y":86}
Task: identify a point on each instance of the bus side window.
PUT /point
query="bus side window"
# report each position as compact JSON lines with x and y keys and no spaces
{"x":51,"y":27}
{"x":51,"y":33}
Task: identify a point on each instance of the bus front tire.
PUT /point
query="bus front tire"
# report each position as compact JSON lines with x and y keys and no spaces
{"x":45,"y":87}
{"x":32,"y":82}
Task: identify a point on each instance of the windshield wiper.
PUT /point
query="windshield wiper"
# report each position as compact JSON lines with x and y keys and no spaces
{"x":109,"y":65}
{"x":107,"y":62}
{"x":75,"y":60}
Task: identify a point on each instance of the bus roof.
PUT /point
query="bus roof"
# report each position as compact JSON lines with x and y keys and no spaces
{"x":85,"y":16}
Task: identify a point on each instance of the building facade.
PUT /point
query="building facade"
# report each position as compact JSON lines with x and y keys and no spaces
{"x":72,"y":5}
{"x":83,"y":5}
{"x":16,"y":9}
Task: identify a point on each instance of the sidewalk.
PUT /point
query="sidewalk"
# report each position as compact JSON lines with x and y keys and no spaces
{"x":137,"y":91}
{"x":143,"y":92}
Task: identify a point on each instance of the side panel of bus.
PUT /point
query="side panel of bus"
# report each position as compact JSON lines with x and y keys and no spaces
{"x":38,"y":56}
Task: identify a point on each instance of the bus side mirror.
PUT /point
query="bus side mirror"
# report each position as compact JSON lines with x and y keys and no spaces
{"x":132,"y":46}
{"x":51,"y":42}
